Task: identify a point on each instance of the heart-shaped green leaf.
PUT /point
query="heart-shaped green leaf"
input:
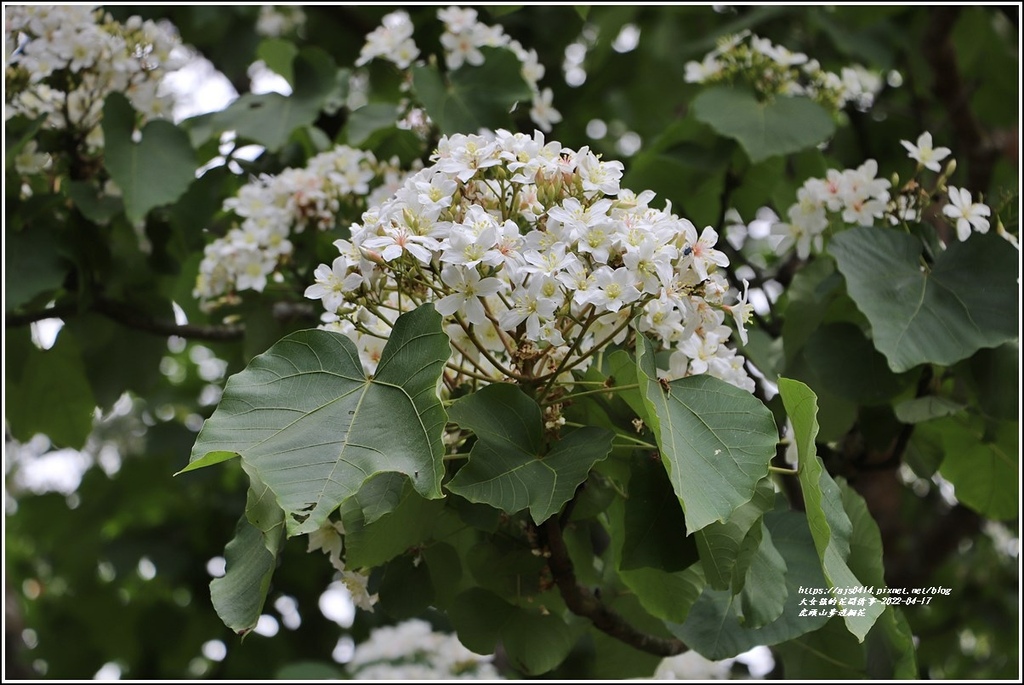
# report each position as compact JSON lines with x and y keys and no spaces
{"x":780,"y":126}
{"x":251,"y":558}
{"x":982,"y":462}
{"x":270,"y":118}
{"x":507,"y":467}
{"x":152,"y":172}
{"x":715,"y":439}
{"x":477,"y":96}
{"x":764,"y":593}
{"x":308,"y":421}
{"x":968,"y":299}
{"x":720,"y":542}
{"x":53,"y":396}
{"x":713,"y":627}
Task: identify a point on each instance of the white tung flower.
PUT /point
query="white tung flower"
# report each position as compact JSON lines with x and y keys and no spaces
{"x":467,"y":289}
{"x":543,"y":112}
{"x":923,"y":152}
{"x":328,"y":538}
{"x":967,"y":213}
{"x":332,"y":282}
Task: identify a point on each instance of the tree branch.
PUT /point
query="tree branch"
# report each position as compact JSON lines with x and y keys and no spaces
{"x":60,"y":311}
{"x":127,"y":316}
{"x":582,"y":601}
{"x":949,"y":89}
{"x":130,"y":317}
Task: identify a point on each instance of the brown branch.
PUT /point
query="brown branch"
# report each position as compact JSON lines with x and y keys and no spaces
{"x":582,"y":601}
{"x":61,"y":311}
{"x":130,"y":317}
{"x":949,"y":89}
{"x":127,"y":316}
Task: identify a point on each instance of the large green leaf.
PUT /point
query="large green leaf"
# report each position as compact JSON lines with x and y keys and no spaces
{"x":152,"y":172}
{"x":278,"y":54}
{"x":368,"y":119}
{"x":983,"y":464}
{"x":380,"y":494}
{"x":32,"y":264}
{"x":477,"y":97}
{"x":968,"y":299}
{"x":407,"y":524}
{"x":716,"y":440}
{"x":720,"y":542}
{"x":919,"y":409}
{"x":507,"y":467}
{"x":830,"y":525}
{"x":270,"y":118}
{"x":668,"y":596}
{"x":986,"y":373}
{"x":764,"y":593}
{"x":305,"y":417}
{"x":53,"y":396}
{"x":713,"y":627}
{"x":833,"y":652}
{"x":848,"y":365}
{"x":94,"y":205}
{"x":117,"y":359}
{"x":654,"y":530}
{"x":780,"y":126}
{"x":830,"y":653}
{"x":478,"y":615}
{"x":889,"y":648}
{"x":621,"y":369}
{"x":507,"y":568}
{"x":406,"y":590}
{"x":814,"y":290}
{"x":616,"y":660}
{"x":251,"y":557}
{"x":535,"y":643}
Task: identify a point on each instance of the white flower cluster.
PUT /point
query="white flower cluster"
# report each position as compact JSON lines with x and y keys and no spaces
{"x":412,"y":651}
{"x":966,"y":214}
{"x":462,"y":39}
{"x":63,"y":61}
{"x":856,"y":197}
{"x":537,"y":260}
{"x":773,"y":70}
{"x":274,"y":208}
{"x":280,"y":20}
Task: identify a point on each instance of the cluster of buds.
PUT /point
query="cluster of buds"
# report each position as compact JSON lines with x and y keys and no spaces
{"x":772,"y":70}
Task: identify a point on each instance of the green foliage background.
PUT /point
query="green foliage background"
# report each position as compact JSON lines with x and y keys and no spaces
{"x":71,"y":561}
